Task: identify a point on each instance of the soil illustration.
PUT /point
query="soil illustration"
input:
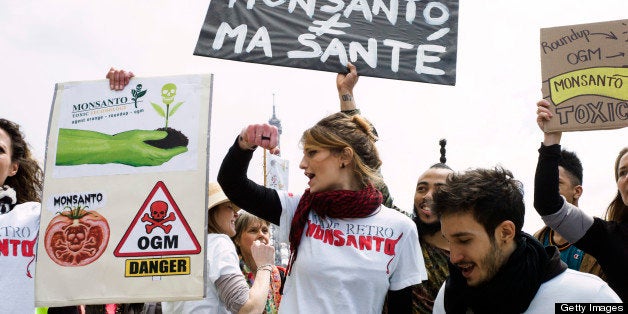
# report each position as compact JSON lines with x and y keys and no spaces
{"x":173,"y":139}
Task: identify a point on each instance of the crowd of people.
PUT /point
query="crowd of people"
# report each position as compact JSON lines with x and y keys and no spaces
{"x":462,"y":248}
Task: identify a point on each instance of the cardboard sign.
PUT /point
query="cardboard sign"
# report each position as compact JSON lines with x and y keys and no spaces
{"x":404,"y":40}
{"x":125,"y":192}
{"x":585,"y":75}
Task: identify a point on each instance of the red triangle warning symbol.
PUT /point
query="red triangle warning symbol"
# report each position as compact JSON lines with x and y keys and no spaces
{"x":158,"y":229}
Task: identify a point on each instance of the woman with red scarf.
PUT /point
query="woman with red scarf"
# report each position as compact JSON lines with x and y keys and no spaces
{"x":348,"y":252}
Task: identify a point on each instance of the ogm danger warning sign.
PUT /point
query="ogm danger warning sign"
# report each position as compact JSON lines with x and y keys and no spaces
{"x":158,"y":229}
{"x":166,"y":266}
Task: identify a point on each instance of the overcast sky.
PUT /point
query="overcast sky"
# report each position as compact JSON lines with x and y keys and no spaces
{"x":488,"y":118}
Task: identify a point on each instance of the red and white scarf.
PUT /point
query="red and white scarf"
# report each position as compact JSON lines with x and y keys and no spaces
{"x":334,"y":204}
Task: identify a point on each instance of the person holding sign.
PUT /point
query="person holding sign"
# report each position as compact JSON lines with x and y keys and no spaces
{"x":227,"y":291}
{"x":604,"y":240}
{"x":347,"y":249}
{"x":345,"y":82}
{"x":435,"y":249}
{"x":570,"y":186}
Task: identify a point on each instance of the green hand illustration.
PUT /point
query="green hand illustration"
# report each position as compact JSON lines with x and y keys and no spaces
{"x":78,"y":147}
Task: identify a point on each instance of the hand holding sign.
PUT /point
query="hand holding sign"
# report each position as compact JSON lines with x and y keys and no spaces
{"x":118,"y":79}
{"x":345,"y":82}
{"x":543,"y":116}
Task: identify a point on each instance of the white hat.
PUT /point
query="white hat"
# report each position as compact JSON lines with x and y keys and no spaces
{"x":215,"y":195}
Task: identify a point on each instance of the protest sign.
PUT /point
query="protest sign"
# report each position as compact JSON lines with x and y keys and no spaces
{"x":405,"y":40}
{"x":585,"y":75}
{"x":123,"y":216}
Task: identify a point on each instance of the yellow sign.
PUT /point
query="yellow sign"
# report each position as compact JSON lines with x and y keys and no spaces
{"x":166,"y":266}
{"x":603,"y":81}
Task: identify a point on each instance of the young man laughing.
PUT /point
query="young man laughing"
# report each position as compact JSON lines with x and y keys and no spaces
{"x":494,"y":266}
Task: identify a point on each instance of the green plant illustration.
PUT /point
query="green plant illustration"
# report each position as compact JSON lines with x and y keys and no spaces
{"x":137,"y":93}
{"x":168,"y":92}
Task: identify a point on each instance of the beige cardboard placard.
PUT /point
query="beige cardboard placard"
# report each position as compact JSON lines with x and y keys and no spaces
{"x":123,"y":216}
{"x":585,"y":75}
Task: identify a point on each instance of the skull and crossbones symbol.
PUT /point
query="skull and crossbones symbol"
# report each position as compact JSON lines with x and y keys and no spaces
{"x":157,"y":217}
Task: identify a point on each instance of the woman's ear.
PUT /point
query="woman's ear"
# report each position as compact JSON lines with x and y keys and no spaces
{"x":346,"y":156}
{"x":14,"y":168}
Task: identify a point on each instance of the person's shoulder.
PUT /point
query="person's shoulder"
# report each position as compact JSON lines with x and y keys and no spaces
{"x":611,"y":226}
{"x":27,"y":209}
{"x":583,"y":287}
{"x":29,"y":205}
{"x":394,"y":214}
{"x":395,"y":217}
{"x":219,"y":240}
{"x":578,"y":281}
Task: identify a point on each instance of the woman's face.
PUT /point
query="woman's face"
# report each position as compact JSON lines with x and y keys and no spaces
{"x":256,"y":230}
{"x":225,"y":215}
{"x":622,"y":181}
{"x":8,"y":168}
{"x":323,"y":168}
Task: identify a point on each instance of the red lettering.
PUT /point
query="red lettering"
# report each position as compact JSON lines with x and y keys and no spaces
{"x":340,"y":240}
{"x":378,"y":243}
{"x":329,"y":236}
{"x":351,"y":241}
{"x":310,"y":229}
{"x":389,"y":245}
{"x":365,"y":243}
{"x":4,"y":247}
{"x":28,"y":248}
{"x":318,"y":233}
{"x":15,"y":243}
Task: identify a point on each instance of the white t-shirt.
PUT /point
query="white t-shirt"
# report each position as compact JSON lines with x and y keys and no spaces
{"x":18,"y":246}
{"x":348,"y":265}
{"x":569,"y":287}
{"x":222,"y":259}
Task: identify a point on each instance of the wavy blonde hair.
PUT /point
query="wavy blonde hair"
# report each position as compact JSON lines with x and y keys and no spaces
{"x":339,"y":131}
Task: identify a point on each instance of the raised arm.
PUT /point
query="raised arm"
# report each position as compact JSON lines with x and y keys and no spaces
{"x":256,"y":199}
{"x":547,"y":199}
{"x":345,"y":82}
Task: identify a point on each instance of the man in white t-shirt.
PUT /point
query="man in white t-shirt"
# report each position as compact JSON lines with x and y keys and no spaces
{"x":494,"y":266}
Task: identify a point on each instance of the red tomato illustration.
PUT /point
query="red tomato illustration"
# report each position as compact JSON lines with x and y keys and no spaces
{"x":76,"y":237}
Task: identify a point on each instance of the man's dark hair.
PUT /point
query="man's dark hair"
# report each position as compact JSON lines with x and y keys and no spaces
{"x":443,"y":160}
{"x":491,"y":195}
{"x":570,"y":162}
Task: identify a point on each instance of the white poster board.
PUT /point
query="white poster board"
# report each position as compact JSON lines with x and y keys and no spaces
{"x":125,"y":191}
